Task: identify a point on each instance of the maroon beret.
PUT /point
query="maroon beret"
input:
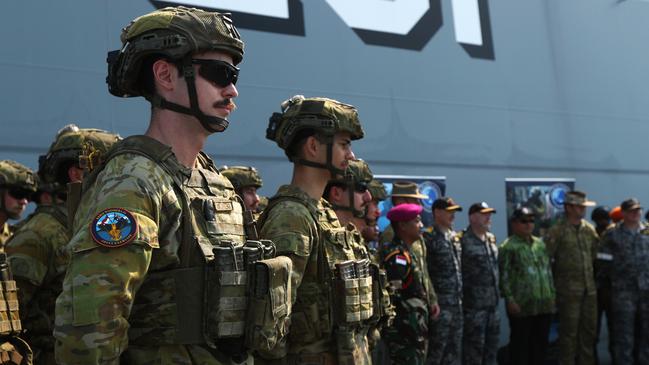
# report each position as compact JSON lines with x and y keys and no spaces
{"x":404,"y":212}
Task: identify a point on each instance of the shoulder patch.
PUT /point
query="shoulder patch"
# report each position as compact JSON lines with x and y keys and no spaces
{"x":113,"y":227}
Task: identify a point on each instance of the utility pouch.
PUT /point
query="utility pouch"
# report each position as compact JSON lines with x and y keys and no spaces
{"x":270,"y":302}
{"x":365,"y":286}
{"x":346,"y":298}
{"x":9,"y":315}
{"x":226,"y":299}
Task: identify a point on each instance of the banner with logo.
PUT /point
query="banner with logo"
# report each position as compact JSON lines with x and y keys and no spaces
{"x":544,"y":196}
{"x":431,"y":186}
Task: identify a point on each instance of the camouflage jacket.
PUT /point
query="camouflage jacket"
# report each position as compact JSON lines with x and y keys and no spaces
{"x":479,"y":271}
{"x":38,"y":260}
{"x":572,"y":252}
{"x":402,"y":266}
{"x":444,"y":265}
{"x":629,"y":254}
{"x":119,"y":301}
{"x":526,"y":276}
{"x":420,"y":251}
{"x":309,"y":233}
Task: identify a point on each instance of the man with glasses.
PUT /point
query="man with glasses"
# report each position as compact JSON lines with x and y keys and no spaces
{"x":572,"y":247}
{"x":36,"y":252}
{"x":480,"y":294}
{"x":527,"y":286}
{"x":445,"y":269}
{"x":627,"y":247}
{"x":17,"y":184}
{"x":153,"y":216}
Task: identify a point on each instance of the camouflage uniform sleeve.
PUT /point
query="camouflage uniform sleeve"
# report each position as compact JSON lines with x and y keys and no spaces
{"x":100,"y":283}
{"x":551,"y":240}
{"x":505,"y":267}
{"x":291,"y":227}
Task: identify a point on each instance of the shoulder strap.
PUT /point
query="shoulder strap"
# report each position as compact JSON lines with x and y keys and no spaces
{"x":162,"y":156}
{"x":55,"y":212}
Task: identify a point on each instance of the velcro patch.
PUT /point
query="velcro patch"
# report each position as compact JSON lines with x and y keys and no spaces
{"x":113,"y":227}
{"x":401,"y":260}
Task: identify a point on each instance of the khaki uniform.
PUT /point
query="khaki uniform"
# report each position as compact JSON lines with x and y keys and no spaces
{"x":573,"y":251}
{"x":323,"y":330}
{"x":142,"y":301}
{"x":38,"y":261}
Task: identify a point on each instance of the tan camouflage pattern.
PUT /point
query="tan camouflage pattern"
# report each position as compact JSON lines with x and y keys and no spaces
{"x":6,"y":231}
{"x":38,"y":262}
{"x":15,"y":174}
{"x":378,"y":190}
{"x":290,"y":221}
{"x":327,"y":116}
{"x":101,"y":284}
{"x":359,"y":171}
{"x":242,"y":176}
{"x":573,"y":251}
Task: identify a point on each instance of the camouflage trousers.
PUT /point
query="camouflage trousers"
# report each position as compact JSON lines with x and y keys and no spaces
{"x":630,"y":314}
{"x":481,"y":336}
{"x":406,"y":339}
{"x":446,"y":336}
{"x":577,"y":328}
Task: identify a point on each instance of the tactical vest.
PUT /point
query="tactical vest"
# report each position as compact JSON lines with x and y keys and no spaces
{"x":212,"y":286}
{"x":335,"y":302}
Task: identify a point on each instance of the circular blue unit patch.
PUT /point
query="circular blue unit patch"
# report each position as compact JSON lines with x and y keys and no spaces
{"x":113,"y":227}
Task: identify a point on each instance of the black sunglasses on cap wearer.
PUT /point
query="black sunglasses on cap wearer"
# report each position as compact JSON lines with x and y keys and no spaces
{"x":19,"y":194}
{"x":218,"y":72}
{"x":526,"y":221}
{"x":360,"y":187}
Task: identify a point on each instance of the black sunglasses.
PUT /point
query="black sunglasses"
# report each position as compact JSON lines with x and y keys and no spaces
{"x":526,"y":221}
{"x":20,"y":194}
{"x":360,"y":187}
{"x":218,"y":72}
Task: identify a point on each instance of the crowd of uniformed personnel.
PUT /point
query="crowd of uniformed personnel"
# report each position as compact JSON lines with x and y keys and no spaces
{"x":141,"y":251}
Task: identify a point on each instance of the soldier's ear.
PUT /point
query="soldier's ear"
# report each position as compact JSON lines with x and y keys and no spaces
{"x":311,"y":147}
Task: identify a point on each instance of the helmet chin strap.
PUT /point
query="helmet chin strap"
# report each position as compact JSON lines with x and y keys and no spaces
{"x":211,"y":123}
{"x":333,"y":170}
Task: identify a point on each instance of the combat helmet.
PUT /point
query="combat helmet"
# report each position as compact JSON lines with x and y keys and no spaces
{"x":242,"y":176}
{"x":84,"y":147}
{"x":174,"y":33}
{"x":321,"y":115}
{"x":377,"y":189}
{"x":19,"y":180}
{"x":358,"y":177}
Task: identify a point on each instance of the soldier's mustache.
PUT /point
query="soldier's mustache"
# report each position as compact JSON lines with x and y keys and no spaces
{"x":226,"y":103}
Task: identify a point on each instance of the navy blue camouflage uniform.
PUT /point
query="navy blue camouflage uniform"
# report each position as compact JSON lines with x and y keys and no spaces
{"x":480,"y":298}
{"x":445,"y":269}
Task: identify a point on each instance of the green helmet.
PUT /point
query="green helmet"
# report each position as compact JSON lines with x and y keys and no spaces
{"x":242,"y":176}
{"x":377,"y":189}
{"x":15,"y":175}
{"x":322,"y":115}
{"x":175,"y":33}
{"x":357,"y":178}
{"x":84,"y":147}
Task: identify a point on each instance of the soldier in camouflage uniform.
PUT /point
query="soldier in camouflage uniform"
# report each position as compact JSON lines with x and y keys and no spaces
{"x":480,"y":288}
{"x":36,"y":251}
{"x":627,"y":246}
{"x":246,"y":181}
{"x":157,"y":224}
{"x":316,"y":135}
{"x":445,"y":268}
{"x":17,"y":184}
{"x":407,"y":340}
{"x":371,"y":231}
{"x":350,"y":198}
{"x":407,"y":192}
{"x":572,"y":247}
{"x":527,"y":286}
